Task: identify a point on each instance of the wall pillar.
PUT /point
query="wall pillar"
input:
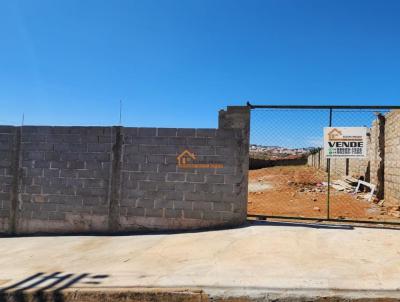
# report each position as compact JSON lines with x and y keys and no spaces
{"x":238,"y":118}
{"x":16,"y":181}
{"x":115,"y":179}
{"x":380,"y":186}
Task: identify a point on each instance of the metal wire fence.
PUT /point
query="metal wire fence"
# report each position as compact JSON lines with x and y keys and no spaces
{"x":295,"y":174}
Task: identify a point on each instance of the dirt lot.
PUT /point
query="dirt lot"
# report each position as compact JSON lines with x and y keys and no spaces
{"x":299,"y":191}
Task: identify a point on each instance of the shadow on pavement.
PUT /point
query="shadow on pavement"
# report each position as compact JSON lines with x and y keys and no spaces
{"x":302,"y":225}
{"x":316,"y":224}
{"x":323,"y":224}
{"x":39,"y":283}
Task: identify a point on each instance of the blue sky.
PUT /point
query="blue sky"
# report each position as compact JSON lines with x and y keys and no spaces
{"x":176,"y":63}
{"x":303,"y":128}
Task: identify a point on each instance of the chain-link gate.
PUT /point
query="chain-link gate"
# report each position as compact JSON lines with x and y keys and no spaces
{"x":354,"y":177}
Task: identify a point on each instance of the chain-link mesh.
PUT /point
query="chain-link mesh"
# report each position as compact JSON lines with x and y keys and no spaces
{"x":290,"y":175}
{"x":345,"y":203}
{"x":280,"y":181}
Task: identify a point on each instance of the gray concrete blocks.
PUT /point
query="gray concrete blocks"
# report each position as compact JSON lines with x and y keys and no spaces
{"x":77,"y":179}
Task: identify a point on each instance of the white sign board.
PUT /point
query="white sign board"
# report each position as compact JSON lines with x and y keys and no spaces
{"x":345,"y":142}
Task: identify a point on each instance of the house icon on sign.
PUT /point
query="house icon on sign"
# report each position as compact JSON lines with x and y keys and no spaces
{"x":334,"y":134}
{"x":185,"y":157}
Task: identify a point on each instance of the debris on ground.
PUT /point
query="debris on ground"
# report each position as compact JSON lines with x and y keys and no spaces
{"x":352,"y":185}
{"x":301,"y":191}
{"x":307,"y":187}
{"x":394,"y":211}
{"x":342,"y":185}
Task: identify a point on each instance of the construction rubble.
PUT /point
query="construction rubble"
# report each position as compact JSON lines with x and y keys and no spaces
{"x":348,"y":185}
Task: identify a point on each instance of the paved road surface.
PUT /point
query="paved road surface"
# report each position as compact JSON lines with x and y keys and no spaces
{"x":280,"y":258}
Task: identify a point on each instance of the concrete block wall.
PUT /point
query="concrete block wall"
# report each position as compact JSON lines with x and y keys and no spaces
{"x":65,"y":178}
{"x":110,"y":179}
{"x":338,"y":167}
{"x":322,"y":160}
{"x":392,"y":158}
{"x":8,"y":188}
{"x":154,"y":188}
{"x":360,"y":167}
{"x":311,"y":160}
{"x":373,"y":151}
{"x":317,"y":160}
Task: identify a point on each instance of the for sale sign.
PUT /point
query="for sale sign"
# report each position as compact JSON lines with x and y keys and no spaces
{"x":345,"y":142}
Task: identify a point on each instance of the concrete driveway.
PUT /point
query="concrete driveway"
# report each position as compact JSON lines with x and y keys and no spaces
{"x":260,"y":260}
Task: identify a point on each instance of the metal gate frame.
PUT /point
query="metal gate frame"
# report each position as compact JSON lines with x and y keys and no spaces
{"x":330,"y":108}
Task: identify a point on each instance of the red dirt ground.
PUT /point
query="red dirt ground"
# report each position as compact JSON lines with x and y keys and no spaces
{"x":294,"y":191}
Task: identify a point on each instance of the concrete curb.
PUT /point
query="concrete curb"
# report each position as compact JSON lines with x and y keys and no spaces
{"x":96,"y":295}
{"x":194,"y":295}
